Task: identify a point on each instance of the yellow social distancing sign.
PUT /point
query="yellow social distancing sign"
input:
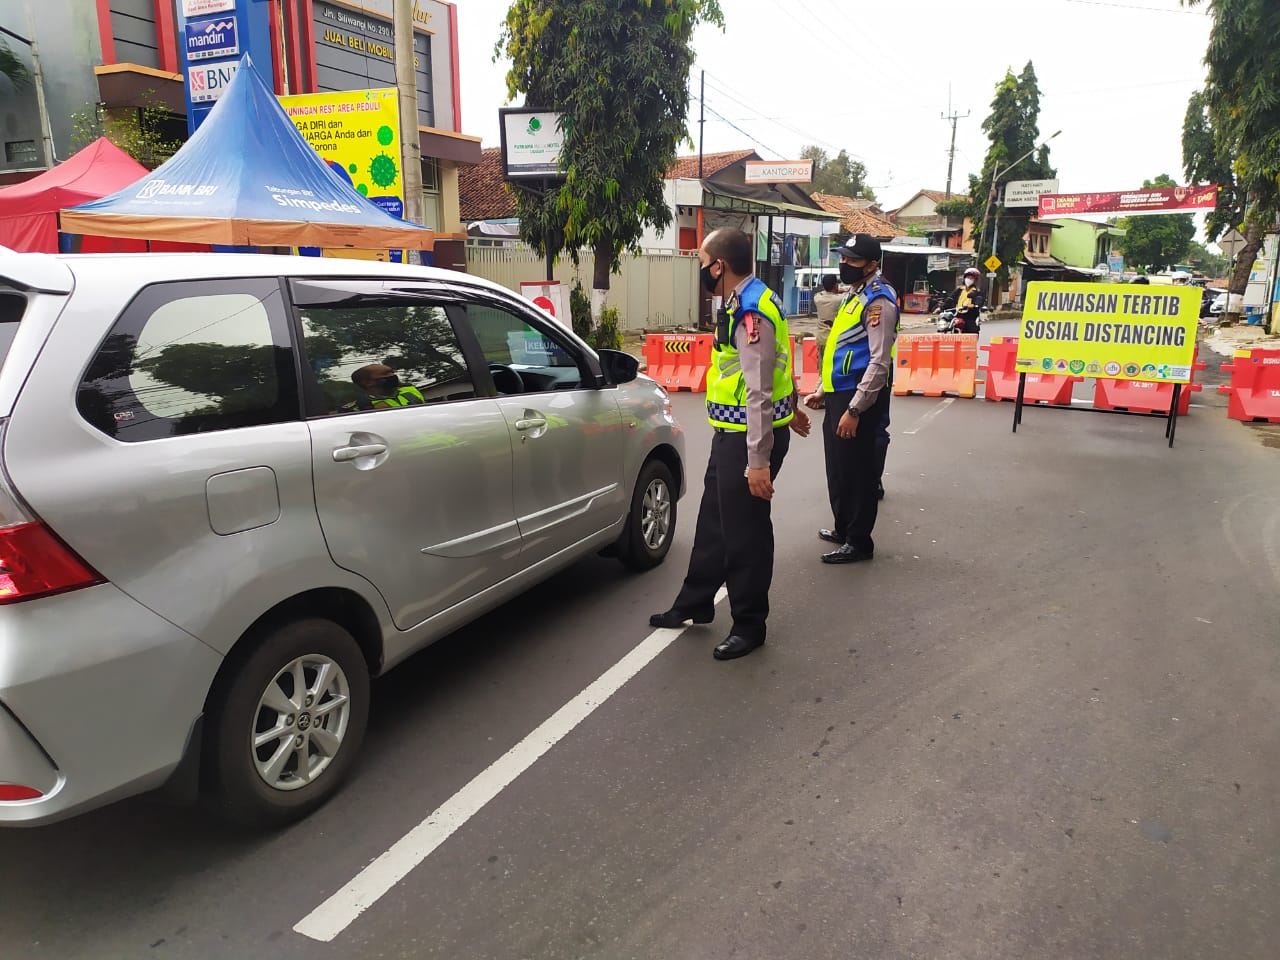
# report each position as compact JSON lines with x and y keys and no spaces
{"x":1117,"y":331}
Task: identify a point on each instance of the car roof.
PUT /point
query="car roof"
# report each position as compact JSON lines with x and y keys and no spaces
{"x":154,"y":267}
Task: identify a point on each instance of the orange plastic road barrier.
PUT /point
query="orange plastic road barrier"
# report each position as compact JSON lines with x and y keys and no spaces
{"x":679,"y":361}
{"x":1002,"y":377}
{"x":808,"y":366}
{"x":1255,"y":386}
{"x":935,"y":364}
{"x":1146,"y":396}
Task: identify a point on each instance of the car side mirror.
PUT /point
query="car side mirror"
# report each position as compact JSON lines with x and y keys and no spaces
{"x":618,"y":367}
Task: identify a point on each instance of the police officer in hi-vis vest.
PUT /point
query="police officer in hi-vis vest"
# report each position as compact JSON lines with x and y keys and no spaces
{"x":751,"y":404}
{"x":857,"y":366}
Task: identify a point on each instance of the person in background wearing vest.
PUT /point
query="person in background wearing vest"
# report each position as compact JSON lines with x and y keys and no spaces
{"x":381,"y":388}
{"x":751,"y":404}
{"x":855,"y":392}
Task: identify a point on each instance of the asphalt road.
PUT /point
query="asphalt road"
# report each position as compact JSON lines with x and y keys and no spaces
{"x":1042,"y":723}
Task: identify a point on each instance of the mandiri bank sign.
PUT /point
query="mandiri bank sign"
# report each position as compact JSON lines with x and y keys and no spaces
{"x":1154,"y":200}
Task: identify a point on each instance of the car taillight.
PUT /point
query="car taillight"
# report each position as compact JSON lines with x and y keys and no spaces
{"x":15,"y":791}
{"x":33,"y":561}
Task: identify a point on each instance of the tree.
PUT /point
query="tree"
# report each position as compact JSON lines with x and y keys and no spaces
{"x":619,"y":73}
{"x":139,"y":132}
{"x":1013,"y":129}
{"x":13,"y":68}
{"x":1231,"y":134}
{"x":840,"y":176}
{"x":1157,"y":243}
{"x":1206,"y":261}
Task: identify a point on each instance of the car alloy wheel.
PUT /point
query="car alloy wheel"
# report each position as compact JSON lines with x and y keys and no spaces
{"x":655,"y":523}
{"x":300,"y":722}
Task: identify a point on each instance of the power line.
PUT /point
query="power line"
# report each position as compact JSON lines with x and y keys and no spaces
{"x":762,"y":146}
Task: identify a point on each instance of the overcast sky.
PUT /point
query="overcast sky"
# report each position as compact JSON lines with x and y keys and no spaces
{"x":1114,"y":78}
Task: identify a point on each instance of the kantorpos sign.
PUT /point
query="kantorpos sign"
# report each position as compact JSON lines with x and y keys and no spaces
{"x":1134,"y":203}
{"x":1113,"y":331}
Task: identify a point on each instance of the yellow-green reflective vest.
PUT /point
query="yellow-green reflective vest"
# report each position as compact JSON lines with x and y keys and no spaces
{"x":848,"y":353}
{"x":726,"y":388}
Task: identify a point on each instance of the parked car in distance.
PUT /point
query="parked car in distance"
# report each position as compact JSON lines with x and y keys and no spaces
{"x":1211,"y":297}
{"x":233,"y":488}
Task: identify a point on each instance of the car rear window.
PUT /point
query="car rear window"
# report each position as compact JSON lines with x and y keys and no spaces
{"x":193,"y":357}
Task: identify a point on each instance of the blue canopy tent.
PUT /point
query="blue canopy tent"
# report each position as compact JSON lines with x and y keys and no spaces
{"x":246,"y":178}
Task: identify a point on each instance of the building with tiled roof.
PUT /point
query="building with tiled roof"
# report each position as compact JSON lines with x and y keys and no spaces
{"x":482,"y":191}
{"x":686,"y":168}
{"x":921,"y":211}
{"x":858,"y":215}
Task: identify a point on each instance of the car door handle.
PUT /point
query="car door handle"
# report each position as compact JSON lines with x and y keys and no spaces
{"x":530,"y":423}
{"x":356,"y":451}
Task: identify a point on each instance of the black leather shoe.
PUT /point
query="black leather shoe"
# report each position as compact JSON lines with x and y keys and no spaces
{"x":879,"y":490}
{"x":674,"y":618}
{"x":732,"y":647}
{"x":846,"y":554}
{"x":830,"y":536}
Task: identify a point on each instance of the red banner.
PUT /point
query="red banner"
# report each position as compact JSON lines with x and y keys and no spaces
{"x":1131,"y":203}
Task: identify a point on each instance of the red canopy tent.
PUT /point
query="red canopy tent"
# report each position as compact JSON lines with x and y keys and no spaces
{"x":29,"y":210}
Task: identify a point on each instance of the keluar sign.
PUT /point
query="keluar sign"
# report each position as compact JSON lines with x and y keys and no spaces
{"x":1114,"y":331}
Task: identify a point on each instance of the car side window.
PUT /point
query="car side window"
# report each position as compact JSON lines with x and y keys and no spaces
{"x":522,"y":358}
{"x":382,"y":353}
{"x":193,"y":357}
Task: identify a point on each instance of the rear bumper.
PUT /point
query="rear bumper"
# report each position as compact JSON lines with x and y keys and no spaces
{"x":99,"y":697}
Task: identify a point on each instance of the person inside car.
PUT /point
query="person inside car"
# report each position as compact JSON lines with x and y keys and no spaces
{"x":381,"y":389}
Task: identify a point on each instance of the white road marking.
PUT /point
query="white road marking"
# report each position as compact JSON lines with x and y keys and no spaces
{"x":337,"y":913}
{"x":924,"y":421}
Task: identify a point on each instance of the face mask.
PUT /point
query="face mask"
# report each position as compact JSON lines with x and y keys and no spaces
{"x":850,"y":274}
{"x":708,"y":281}
{"x":968,"y":281}
{"x":387,"y":384}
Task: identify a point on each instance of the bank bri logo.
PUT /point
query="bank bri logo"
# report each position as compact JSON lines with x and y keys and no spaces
{"x":210,"y":39}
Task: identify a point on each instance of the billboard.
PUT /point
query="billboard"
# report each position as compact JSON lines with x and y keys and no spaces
{"x":531,"y":143}
{"x":1026,"y":193}
{"x":782,"y":171}
{"x":1114,"y":331}
{"x":357,"y":133}
{"x":1153,"y":200}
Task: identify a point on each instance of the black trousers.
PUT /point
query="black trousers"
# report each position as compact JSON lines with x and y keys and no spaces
{"x":854,"y":468}
{"x":733,"y":543}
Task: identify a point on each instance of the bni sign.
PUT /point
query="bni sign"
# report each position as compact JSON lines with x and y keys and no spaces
{"x":208,"y":83}
{"x":211,"y":39}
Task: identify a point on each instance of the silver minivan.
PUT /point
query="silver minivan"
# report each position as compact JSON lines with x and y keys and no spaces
{"x":235,"y":487}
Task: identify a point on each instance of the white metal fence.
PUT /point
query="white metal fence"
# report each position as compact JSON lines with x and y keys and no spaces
{"x":652,"y":291}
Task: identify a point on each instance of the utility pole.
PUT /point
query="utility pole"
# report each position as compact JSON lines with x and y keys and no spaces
{"x":702,"y":123}
{"x":407,"y":88}
{"x":951,"y":157}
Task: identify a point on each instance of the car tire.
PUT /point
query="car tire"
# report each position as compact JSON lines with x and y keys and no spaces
{"x":651,"y":520}
{"x":258,"y":779}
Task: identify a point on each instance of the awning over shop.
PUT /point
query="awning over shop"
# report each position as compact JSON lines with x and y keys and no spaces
{"x":247,"y":178}
{"x":719,"y":197}
{"x":1054,"y":265}
{"x":923,"y":250}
